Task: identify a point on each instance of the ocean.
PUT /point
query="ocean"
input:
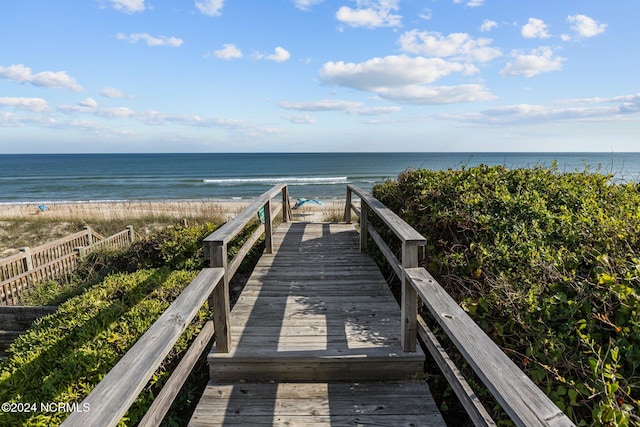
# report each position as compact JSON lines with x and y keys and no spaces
{"x":29,"y":178}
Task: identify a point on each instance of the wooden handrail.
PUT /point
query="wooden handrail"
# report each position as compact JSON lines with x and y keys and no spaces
{"x":404,"y":231}
{"x":235,"y":225}
{"x":410,"y":240}
{"x":215,"y":246}
{"x":521,"y":399}
{"x":112,"y":397}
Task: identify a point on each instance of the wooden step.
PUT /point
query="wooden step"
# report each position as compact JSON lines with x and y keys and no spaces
{"x":360,"y":364}
{"x":316,"y":310}
{"x":317,"y":404}
{"x":6,"y":338}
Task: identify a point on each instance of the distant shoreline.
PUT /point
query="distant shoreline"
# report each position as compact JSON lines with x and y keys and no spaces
{"x":121,"y":209}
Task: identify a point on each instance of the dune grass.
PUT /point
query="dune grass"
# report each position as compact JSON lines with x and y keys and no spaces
{"x":20,"y":226}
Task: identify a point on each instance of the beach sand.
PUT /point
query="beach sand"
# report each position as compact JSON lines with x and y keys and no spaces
{"x":53,"y":220}
{"x":138,"y":209}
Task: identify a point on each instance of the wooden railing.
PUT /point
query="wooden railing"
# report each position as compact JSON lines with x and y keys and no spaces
{"x":216,"y":250}
{"x":112,"y":397}
{"x":29,"y":258}
{"x":521,"y":399}
{"x":116,"y":241}
{"x":52,"y":260}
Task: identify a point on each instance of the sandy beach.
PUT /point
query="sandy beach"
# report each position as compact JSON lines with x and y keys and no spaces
{"x":139,"y":209}
{"x":26,"y":224}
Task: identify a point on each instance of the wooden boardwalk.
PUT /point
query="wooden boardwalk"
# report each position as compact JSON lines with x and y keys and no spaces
{"x":315,"y":341}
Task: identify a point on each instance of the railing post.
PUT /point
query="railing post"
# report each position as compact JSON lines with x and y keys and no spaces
{"x":364,"y":225}
{"x":132,"y":235}
{"x":285,"y":204}
{"x":347,"y":207}
{"x":89,"y":235}
{"x":82,"y":251}
{"x":219,"y":299}
{"x":268,"y":228}
{"x":409,"y":299}
{"x":28,"y":261}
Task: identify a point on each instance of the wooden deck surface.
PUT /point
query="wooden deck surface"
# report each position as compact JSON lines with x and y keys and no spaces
{"x":315,"y":341}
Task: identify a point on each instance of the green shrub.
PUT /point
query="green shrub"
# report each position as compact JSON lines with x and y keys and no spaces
{"x":548,"y":264}
{"x":179,"y":248}
{"x":64,"y":355}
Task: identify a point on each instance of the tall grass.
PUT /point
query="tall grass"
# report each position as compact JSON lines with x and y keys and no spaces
{"x":22,"y":226}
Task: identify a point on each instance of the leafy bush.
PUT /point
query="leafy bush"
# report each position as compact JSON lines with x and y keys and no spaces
{"x":548,"y":264}
{"x":64,"y":355}
{"x":179,"y":248}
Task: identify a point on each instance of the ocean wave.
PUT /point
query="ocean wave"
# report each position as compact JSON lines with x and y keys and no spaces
{"x":291,"y":180}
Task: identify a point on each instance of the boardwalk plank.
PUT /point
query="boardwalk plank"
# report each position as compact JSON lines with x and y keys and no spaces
{"x":317,"y":404}
{"x":316,"y":312}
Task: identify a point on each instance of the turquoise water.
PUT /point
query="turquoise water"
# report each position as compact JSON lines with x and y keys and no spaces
{"x":90,"y":177}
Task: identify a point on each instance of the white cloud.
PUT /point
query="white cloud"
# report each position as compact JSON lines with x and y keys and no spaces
{"x":488,"y":25}
{"x":353,"y":108}
{"x":158,"y":118}
{"x":324,"y":105}
{"x":36,"y":105}
{"x":305,"y":4}
{"x":89,"y":103}
{"x":471,"y":3}
{"x":279,"y":54}
{"x":426,"y":14}
{"x":390,"y":71}
{"x":112,"y":92}
{"x":301,"y":119}
{"x":210,"y":7}
{"x":370,"y":14}
{"x":459,"y":46}
{"x":535,"y":29}
{"x":405,"y":80}
{"x":229,"y":51}
{"x":374,"y":111}
{"x":49,"y":79}
{"x":433,"y":95}
{"x":586,"y":26}
{"x":128,"y":6}
{"x":540,"y":60}
{"x":18,"y":120}
{"x":150,"y":40}
{"x":587,"y":110}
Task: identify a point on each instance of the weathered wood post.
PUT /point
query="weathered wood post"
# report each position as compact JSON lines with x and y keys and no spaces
{"x":268,"y":228}
{"x":364,"y":225}
{"x":27,"y":261}
{"x":132,"y":235}
{"x":409,"y":299}
{"x":89,"y":235}
{"x":347,"y":207}
{"x":219,"y":299}
{"x":81,"y":251}
{"x":285,"y":204}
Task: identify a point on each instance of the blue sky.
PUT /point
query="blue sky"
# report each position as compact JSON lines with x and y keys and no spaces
{"x":318,"y":75}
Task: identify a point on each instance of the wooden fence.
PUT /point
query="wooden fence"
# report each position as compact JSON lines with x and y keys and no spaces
{"x":112,"y":397}
{"x":53,"y":260}
{"x":15,"y":320}
{"x":521,"y":399}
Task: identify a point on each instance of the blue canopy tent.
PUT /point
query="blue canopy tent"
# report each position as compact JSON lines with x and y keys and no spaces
{"x":301,"y":201}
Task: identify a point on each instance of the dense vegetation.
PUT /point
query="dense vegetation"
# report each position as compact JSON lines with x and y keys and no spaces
{"x":119,"y":295}
{"x":548,"y":264}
